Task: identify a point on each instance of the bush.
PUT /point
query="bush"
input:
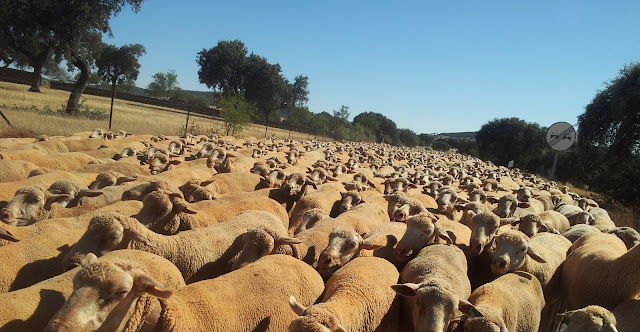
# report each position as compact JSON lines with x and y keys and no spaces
{"x":236,"y":112}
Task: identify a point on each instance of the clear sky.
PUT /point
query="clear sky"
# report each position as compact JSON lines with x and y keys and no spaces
{"x":431,"y":66}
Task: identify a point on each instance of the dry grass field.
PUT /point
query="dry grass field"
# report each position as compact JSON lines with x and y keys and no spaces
{"x":20,"y":106}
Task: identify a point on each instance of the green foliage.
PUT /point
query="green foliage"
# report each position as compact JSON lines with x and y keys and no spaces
{"x":236,"y":112}
{"x":426,"y":139}
{"x":119,"y":64}
{"x":164,"y":85}
{"x":264,"y":85}
{"x":612,"y":119}
{"x":502,"y":140}
{"x":440,"y":145}
{"x":223,"y":67}
{"x":408,"y":137}
{"x":184,"y":97}
{"x":300,"y":91}
{"x":380,"y":126}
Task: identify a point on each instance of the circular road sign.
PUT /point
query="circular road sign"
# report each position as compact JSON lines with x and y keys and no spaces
{"x":561,"y":136}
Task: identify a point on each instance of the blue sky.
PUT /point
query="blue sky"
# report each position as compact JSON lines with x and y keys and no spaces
{"x":431,"y":66}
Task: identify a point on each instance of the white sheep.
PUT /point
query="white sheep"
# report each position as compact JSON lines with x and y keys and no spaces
{"x":433,"y":286}
{"x":249,"y":299}
{"x":358,"y":297}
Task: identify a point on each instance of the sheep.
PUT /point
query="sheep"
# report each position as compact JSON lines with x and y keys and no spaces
{"x":29,"y":309}
{"x":273,"y":179}
{"x":575,"y":214}
{"x":61,"y":161}
{"x":266,"y":241}
{"x":447,"y":200}
{"x":349,"y":200}
{"x":168,"y":213}
{"x":600,"y":270}
{"x":576,"y":231}
{"x":358,"y":297}
{"x":344,"y":242}
{"x":628,"y":235}
{"x":62,"y":225}
{"x":194,"y":192}
{"x":626,"y":314}
{"x":199,"y":254}
{"x":141,"y":190}
{"x":424,"y":229}
{"x":226,"y":183}
{"x":15,"y":170}
{"x":240,"y":164}
{"x":540,"y":255}
{"x":325,"y":198}
{"x":74,"y":191}
{"x":110,"y":178}
{"x":601,"y":219}
{"x":197,"y":307}
{"x":161,"y":162}
{"x":296,"y":185}
{"x":35,"y":203}
{"x":484,"y":227}
{"x":401,"y":206}
{"x":512,"y":302}
{"x":433,"y":286}
{"x":547,"y":221}
{"x":591,"y":318}
{"x":510,"y":206}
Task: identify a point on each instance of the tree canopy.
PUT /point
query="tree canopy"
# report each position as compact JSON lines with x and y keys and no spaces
{"x":222,"y":67}
{"x":164,"y":85}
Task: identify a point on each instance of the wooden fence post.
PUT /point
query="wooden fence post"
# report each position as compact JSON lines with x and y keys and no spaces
{"x":5,"y":119}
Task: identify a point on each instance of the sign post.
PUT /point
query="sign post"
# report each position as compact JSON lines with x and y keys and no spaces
{"x":560,"y":137}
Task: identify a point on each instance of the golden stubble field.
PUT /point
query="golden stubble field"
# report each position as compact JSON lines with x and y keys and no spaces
{"x":129,"y":116}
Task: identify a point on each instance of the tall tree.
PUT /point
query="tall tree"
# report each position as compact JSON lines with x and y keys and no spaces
{"x":223,"y":67}
{"x":118,"y":65}
{"x":502,"y":140}
{"x":612,"y":119}
{"x":264,"y":86}
{"x":71,"y":29}
{"x":164,"y":85}
{"x":300,"y":91}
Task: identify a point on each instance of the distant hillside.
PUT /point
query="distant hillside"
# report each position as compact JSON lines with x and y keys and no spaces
{"x":465,"y":134}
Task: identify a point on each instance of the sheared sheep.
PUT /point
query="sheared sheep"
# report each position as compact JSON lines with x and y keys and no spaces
{"x":628,"y":235}
{"x":358,"y":297}
{"x":29,"y":309}
{"x":262,"y":304}
{"x":513,"y":302}
{"x":601,"y":271}
{"x":547,"y":221}
{"x":199,"y":254}
{"x":433,"y":286}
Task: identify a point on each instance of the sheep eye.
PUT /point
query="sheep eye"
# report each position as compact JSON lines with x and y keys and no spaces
{"x":122,"y":292}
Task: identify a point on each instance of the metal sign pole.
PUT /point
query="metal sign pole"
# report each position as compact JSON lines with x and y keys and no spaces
{"x":553,"y":168}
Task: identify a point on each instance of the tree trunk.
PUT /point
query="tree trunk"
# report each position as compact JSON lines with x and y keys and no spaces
{"x":266,"y":124}
{"x":186,"y":126}
{"x":78,"y":87}
{"x":36,"y":79}
{"x":113,"y":97}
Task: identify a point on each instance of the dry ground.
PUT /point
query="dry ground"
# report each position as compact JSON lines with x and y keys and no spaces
{"x":129,"y":116}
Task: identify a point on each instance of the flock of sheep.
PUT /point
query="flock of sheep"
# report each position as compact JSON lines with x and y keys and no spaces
{"x":119,"y":232}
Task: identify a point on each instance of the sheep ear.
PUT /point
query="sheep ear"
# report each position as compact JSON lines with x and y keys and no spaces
{"x":443,"y":235}
{"x":283,"y":240}
{"x":368,"y":245}
{"x":492,"y":199}
{"x":407,"y":289}
{"x":411,"y":185}
{"x":175,"y":162}
{"x":459,"y":206}
{"x":607,"y":326}
{"x":89,"y":259}
{"x":140,"y":238}
{"x":144,"y":283}
{"x":296,"y":306}
{"x":523,"y":205}
{"x":512,"y":221}
{"x":53,"y":198}
{"x":342,"y":193}
{"x":331,"y":178}
{"x":6,"y":235}
{"x":535,"y":255}
{"x":469,"y":309}
{"x":89,"y":193}
{"x":125,"y":179}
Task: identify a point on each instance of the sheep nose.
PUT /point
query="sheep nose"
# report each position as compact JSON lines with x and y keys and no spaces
{"x":502,"y":264}
{"x":5,"y":215}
